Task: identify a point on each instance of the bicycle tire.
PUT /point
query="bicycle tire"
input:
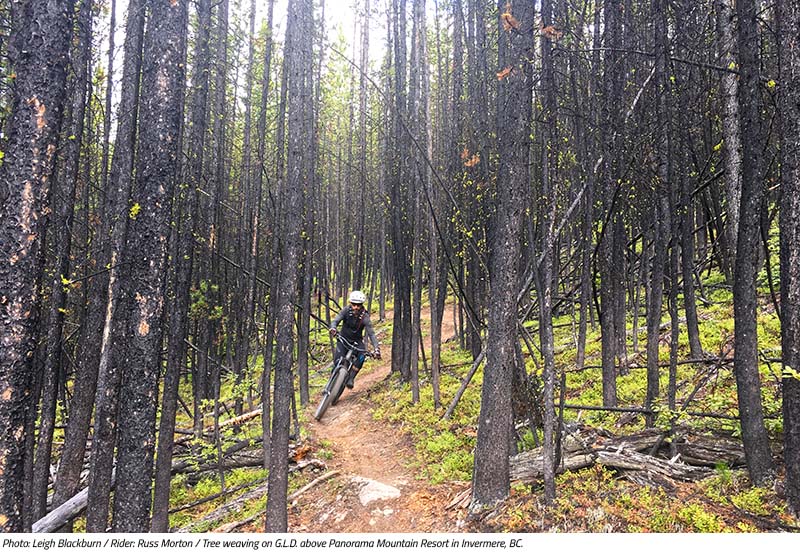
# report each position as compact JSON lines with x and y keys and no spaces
{"x":337,"y":395}
{"x":337,"y":385}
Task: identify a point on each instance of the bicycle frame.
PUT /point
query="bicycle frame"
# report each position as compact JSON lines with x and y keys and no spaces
{"x":335,"y":386}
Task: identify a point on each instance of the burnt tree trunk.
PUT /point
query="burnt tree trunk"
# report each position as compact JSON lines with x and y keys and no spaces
{"x":98,"y":371}
{"x":612,"y":83}
{"x":37,"y":106}
{"x":188,"y":227}
{"x":748,"y":382}
{"x":145,"y":255}
{"x":660,"y":207}
{"x":298,"y":64}
{"x":66,"y":185}
{"x":789,"y":23}
{"x":400,"y":202}
{"x":547,"y":214}
{"x":731,"y":133}
{"x":490,"y":479}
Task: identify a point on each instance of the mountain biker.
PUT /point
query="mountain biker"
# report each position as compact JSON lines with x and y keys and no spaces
{"x":354,"y":319}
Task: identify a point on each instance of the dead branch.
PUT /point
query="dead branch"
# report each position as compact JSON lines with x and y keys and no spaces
{"x":313,"y":483}
{"x":464,"y":384}
{"x":214,"y":496}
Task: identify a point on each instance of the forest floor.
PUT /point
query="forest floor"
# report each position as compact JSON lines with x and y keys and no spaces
{"x":377,"y":488}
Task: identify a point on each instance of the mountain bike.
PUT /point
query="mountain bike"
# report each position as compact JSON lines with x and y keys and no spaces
{"x":335,"y":386}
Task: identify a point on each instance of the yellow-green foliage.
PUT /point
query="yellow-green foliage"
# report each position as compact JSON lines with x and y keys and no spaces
{"x":753,"y":501}
{"x":183,"y":493}
{"x":595,"y":500}
{"x":717,"y":394}
{"x":699,"y":520}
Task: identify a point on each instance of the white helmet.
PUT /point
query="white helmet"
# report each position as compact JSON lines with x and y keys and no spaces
{"x":357,"y":296}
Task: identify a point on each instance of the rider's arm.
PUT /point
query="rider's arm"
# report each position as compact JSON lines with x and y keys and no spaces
{"x":371,"y":332}
{"x":338,"y":319}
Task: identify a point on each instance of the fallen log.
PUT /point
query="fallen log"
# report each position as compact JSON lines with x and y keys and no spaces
{"x":626,"y":459}
{"x":708,"y":451}
{"x":650,"y":480}
{"x":240,"y":419}
{"x":61,"y":515}
{"x":241,"y":459}
{"x":226,"y":509}
{"x":217,"y":495}
{"x":190,"y":465}
{"x":223,"y":424}
{"x":528,"y":468}
{"x":65,"y":512}
{"x":633,"y":456}
{"x":641,"y":441}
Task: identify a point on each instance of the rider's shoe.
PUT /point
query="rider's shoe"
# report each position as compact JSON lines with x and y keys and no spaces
{"x":351,"y":380}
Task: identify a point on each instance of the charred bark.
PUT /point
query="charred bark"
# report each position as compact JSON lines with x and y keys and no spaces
{"x":145,"y":256}
{"x":37,"y":108}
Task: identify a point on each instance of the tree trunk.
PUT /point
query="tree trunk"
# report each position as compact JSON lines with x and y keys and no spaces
{"x":400,"y":202}
{"x":490,"y":480}
{"x":660,"y":209}
{"x":731,"y":132}
{"x":748,"y":382}
{"x":187,"y":200}
{"x":26,"y":171}
{"x":66,"y":181}
{"x":547,"y":213}
{"x":789,"y":30}
{"x":100,"y":322}
{"x":611,"y":158}
{"x":145,"y":256}
{"x":297,"y":64}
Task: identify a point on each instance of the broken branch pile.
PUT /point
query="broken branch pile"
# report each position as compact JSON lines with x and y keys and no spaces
{"x":634,"y":457}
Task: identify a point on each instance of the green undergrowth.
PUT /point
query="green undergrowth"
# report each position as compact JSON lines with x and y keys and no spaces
{"x":183,"y":492}
{"x":595,"y":499}
{"x":712,"y":384}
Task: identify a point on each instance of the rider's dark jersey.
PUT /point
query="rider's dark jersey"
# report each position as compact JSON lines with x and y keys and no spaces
{"x":353,"y":326}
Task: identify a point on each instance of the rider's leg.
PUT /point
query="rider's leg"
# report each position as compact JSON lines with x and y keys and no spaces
{"x":338,"y":354}
{"x":357,"y":364}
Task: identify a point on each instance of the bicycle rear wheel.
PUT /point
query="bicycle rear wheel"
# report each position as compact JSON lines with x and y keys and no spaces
{"x":331,"y":392}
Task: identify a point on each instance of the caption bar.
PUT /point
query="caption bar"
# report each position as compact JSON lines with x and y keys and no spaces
{"x":261,"y":543}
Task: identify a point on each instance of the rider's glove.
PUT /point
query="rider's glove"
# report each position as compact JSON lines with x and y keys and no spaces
{"x":333,"y":331}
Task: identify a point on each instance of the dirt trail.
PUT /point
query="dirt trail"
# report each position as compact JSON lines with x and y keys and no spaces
{"x":371,"y":456}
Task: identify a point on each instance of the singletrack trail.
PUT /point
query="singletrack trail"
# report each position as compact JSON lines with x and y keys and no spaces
{"x":377,"y":488}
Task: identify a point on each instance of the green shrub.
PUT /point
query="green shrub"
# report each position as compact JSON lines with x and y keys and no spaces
{"x":700,"y":520}
{"x":752,"y":501}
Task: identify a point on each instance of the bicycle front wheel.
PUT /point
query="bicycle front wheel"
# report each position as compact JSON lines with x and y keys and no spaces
{"x":331,"y":392}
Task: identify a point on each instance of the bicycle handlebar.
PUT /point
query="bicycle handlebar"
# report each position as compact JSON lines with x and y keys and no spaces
{"x":353,"y":345}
